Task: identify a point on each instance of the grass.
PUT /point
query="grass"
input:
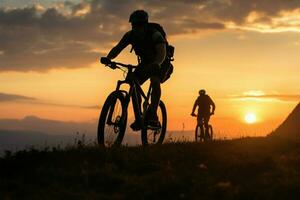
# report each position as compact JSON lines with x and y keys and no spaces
{"x":250,"y":168}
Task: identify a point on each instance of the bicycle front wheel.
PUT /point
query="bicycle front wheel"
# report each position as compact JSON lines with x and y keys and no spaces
{"x":197,"y":133}
{"x":211,"y":132}
{"x":112,"y":120}
{"x":155,"y":135}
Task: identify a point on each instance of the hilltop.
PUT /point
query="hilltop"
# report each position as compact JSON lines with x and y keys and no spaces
{"x":251,"y":168}
{"x":290,"y":128}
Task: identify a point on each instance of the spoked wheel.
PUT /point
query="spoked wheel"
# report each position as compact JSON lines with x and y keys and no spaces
{"x":198,"y":136}
{"x":155,"y":135}
{"x":211,"y":133}
{"x":112,"y":121}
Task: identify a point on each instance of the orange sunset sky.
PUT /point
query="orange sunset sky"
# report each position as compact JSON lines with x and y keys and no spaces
{"x":246,"y":54}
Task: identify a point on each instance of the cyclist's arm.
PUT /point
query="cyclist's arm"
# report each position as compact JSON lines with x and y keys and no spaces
{"x":213,"y":105}
{"x":195,"y":106}
{"x":115,"y":51}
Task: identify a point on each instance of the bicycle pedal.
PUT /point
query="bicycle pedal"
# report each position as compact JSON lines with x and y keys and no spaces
{"x":149,"y":126}
{"x":110,"y":123}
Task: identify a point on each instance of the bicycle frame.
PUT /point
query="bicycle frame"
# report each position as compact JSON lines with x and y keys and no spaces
{"x":134,"y":90}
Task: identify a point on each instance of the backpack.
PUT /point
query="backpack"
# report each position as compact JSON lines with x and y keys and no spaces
{"x":166,"y":67}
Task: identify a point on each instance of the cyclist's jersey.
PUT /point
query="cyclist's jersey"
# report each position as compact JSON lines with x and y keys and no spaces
{"x":144,"y":47}
{"x":204,"y":102}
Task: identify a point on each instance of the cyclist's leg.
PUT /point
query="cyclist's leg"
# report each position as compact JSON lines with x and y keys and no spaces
{"x":200,"y":124}
{"x":152,"y":71}
{"x":156,"y":92}
{"x":141,"y":77}
{"x":206,"y":120}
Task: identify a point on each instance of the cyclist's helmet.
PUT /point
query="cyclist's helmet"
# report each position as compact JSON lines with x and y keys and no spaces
{"x":139,"y":17}
{"x":202,"y":92}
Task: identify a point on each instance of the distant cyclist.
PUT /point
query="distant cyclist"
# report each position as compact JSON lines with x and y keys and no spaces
{"x":206,"y":108}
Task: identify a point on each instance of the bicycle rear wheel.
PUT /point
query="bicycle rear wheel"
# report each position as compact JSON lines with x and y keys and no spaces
{"x":112,"y":120}
{"x":155,"y":135}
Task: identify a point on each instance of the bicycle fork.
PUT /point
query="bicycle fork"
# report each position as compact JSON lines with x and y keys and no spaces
{"x":136,"y":104}
{"x":111,"y":109}
{"x":110,"y":114}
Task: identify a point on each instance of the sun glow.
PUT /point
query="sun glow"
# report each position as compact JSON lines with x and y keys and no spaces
{"x":250,"y":118}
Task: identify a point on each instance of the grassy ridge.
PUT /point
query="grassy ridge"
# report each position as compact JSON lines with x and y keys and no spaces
{"x":256,"y":168}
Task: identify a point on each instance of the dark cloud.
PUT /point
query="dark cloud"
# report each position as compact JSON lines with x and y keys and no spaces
{"x":66,"y":105}
{"x":32,"y":39}
{"x":238,"y":10}
{"x":32,"y":42}
{"x":4,"y":97}
{"x":13,"y":97}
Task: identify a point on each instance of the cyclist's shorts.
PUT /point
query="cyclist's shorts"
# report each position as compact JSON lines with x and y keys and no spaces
{"x":203,"y":117}
{"x":144,"y":72}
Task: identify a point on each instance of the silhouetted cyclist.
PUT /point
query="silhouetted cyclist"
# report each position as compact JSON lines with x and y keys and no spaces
{"x":204,"y":103}
{"x":150,"y":46}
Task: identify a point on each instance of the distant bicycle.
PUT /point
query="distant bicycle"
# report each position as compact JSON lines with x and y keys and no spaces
{"x":113,"y":117}
{"x":201,"y":134}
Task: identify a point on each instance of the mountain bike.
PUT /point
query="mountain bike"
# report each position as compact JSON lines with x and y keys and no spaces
{"x":201,"y":134}
{"x":113,"y":116}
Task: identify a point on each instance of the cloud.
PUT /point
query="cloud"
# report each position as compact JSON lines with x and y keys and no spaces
{"x":4,"y":97}
{"x":261,"y":96}
{"x":40,"y":38}
{"x":38,"y":42}
{"x":282,"y":97}
{"x":13,"y":97}
{"x":65,"y":105}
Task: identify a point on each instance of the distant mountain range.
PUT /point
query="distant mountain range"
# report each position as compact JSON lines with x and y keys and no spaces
{"x":17,"y":134}
{"x":53,"y":127}
{"x":14,"y":140}
{"x":290,"y":128}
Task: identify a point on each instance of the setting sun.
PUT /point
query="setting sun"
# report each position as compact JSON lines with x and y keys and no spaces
{"x":250,"y":118}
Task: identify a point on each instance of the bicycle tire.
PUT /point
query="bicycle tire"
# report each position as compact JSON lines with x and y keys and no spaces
{"x":144,"y":132}
{"x":119,"y":122}
{"x":197,"y":136}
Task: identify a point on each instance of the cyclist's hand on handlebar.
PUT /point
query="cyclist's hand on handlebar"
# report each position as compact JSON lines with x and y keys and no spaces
{"x":193,"y":114}
{"x":212,"y":113}
{"x":106,"y":61}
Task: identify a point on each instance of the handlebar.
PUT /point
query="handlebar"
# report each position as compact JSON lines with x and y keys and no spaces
{"x":114,"y":65}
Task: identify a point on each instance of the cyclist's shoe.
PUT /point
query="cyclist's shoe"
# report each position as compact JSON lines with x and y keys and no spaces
{"x":154,"y":124}
{"x":109,"y":123}
{"x":135,"y":126}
